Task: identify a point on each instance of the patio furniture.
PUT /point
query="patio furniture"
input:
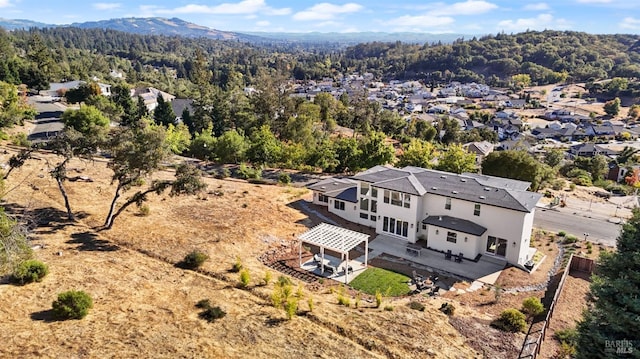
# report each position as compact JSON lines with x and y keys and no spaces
{"x":435,"y":291}
{"x":448,"y":254}
{"x":346,"y":269}
{"x":459,"y":257}
{"x":413,"y":249}
{"x":316,"y":258}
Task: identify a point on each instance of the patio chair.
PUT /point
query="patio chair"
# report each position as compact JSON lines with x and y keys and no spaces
{"x":331,"y":268}
{"x":459,"y":257}
{"x":435,"y":291}
{"x":448,"y":254}
{"x":316,"y":258}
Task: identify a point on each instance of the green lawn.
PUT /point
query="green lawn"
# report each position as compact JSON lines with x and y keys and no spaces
{"x":376,"y":278}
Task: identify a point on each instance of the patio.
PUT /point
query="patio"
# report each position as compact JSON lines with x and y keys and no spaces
{"x":357,"y":266}
{"x":485,"y":270}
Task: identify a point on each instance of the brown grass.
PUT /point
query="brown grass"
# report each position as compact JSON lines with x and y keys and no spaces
{"x":144,"y":305}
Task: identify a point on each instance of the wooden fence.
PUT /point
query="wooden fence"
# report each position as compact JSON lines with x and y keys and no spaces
{"x":537,"y":330}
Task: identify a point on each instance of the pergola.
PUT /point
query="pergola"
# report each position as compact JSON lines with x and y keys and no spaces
{"x":337,"y":239}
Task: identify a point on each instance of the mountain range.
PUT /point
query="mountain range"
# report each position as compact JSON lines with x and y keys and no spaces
{"x":179,"y":27}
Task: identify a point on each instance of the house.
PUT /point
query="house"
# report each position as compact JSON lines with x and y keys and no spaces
{"x":480,"y":149}
{"x":150,"y":96}
{"x":56,"y":89}
{"x":471,"y":214}
{"x":590,"y":150}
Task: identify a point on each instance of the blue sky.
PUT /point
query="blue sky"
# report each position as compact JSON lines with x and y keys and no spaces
{"x":462,"y":16}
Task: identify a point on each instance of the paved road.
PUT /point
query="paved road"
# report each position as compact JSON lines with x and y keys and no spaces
{"x":600,"y":230}
{"x":47,"y":122}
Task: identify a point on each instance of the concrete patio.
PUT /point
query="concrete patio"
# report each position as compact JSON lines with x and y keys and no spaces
{"x":357,"y":267}
{"x":486,"y":270}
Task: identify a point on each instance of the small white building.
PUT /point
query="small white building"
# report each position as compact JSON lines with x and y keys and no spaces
{"x":467,"y":214}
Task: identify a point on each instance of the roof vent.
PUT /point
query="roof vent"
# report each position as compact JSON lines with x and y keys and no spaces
{"x":443,"y":176}
{"x":487,"y":189}
{"x":463,"y":180}
{"x":434,"y":188}
{"x":483,"y":197}
{"x":323,"y":187}
{"x":454,"y":192}
{"x":439,"y":218}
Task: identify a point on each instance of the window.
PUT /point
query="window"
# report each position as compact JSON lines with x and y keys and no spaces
{"x":374,"y":206}
{"x":476,"y":209}
{"x":395,"y":226}
{"x":396,"y":199}
{"x":364,"y":204}
{"x":373,"y":217}
{"x":497,"y":246}
{"x":364,"y":188}
{"x":407,"y":200}
{"x":364,"y":215}
{"x":447,"y":204}
{"x":338,"y":205}
{"x":452,"y":237}
{"x":386,"y":196}
{"x":374,"y":192}
{"x":424,"y":227}
{"x":323,"y":198}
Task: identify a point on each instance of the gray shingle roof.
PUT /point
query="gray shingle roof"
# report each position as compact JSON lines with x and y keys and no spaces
{"x":332,"y":184}
{"x":348,"y":194}
{"x":456,"y":224}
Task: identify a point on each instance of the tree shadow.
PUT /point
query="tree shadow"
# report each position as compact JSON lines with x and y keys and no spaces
{"x":47,"y":316}
{"x":274,"y":322}
{"x":45,"y":220}
{"x":89,"y":241}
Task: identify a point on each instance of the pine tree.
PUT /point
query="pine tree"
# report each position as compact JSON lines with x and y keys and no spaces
{"x":163,"y":113}
{"x":612,"y":322}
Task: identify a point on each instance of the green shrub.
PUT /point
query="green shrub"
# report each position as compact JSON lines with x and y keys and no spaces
{"x":447,"y":308}
{"x":194,"y":259}
{"x":589,"y":245}
{"x":248,"y":172}
{"x":222,"y":173}
{"x":572,"y":186}
{"x":237,"y":266}
{"x":20,"y":139}
{"x":284,"y":178}
{"x":388,"y":308}
{"x":210,"y":314}
{"x":417,"y":306}
{"x":144,"y":210}
{"x":562,"y":234}
{"x":378,"y":298}
{"x":569,"y":336}
{"x":569,"y":239}
{"x":310,"y":304}
{"x":30,"y":271}
{"x":284,"y":281}
{"x":557,"y":184}
{"x":203,"y":303}
{"x":267,"y":278}
{"x":72,"y":305}
{"x":342,"y":300}
{"x":532,"y":306}
{"x":244,"y":278}
{"x":511,"y":320}
{"x":291,"y":307}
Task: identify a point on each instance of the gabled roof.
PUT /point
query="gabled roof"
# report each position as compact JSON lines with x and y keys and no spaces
{"x":494,"y":191}
{"x":456,"y":224}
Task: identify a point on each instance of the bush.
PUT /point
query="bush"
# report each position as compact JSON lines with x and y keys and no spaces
{"x":417,"y":306}
{"x":342,"y":300}
{"x":511,"y":320}
{"x":378,"y":298}
{"x":562,"y":234}
{"x":310,"y":304}
{"x":212,"y":313}
{"x":144,"y":210}
{"x":30,"y":271}
{"x":20,"y":139}
{"x":72,"y":305}
{"x":267,"y":278}
{"x":532,"y":306}
{"x":244,"y":278}
{"x":291,"y":307}
{"x":569,"y":336}
{"x":388,"y":308}
{"x":447,"y":308}
{"x":284,"y":178}
{"x":194,"y":259}
{"x":204,"y":303}
{"x":237,"y":266}
{"x":248,"y":172}
{"x":570,"y":239}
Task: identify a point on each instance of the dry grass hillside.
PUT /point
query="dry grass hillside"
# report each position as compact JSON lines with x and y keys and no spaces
{"x":144,"y":306}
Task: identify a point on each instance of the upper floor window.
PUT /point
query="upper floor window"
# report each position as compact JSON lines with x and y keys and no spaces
{"x":338,"y":205}
{"x":447,"y":204}
{"x":476,"y":209}
{"x":364,"y":188}
{"x":323,"y":198}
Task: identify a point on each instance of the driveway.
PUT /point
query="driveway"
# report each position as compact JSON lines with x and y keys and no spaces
{"x":47,"y":122}
{"x":599,"y":229}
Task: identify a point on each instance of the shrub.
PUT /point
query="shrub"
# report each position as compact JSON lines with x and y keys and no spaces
{"x":144,"y":210}
{"x":342,"y":300}
{"x":416,"y":306}
{"x":532,"y":306}
{"x":569,"y":239}
{"x":562,"y":234}
{"x":284,"y":178}
{"x":203,"y":303}
{"x":447,"y":308}
{"x":267,"y":278}
{"x":194,"y":259}
{"x":210,"y":314}
{"x":291,"y":307}
{"x":511,"y":320}
{"x":569,"y":336}
{"x":30,"y":271}
{"x":20,"y":139}
{"x":237,"y":266}
{"x":378,"y":298}
{"x":310,"y":304}
{"x":589,"y":245}
{"x":388,"y":308}
{"x":244,"y":278}
{"x":72,"y":305}
{"x":284,"y":281}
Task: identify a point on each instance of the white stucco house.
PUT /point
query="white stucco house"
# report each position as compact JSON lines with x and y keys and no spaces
{"x":472,"y":214}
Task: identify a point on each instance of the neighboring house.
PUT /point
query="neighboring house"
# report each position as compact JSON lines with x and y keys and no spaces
{"x":480,"y":149}
{"x":150,"y":96}
{"x":590,"y":150}
{"x":470,"y":214}
{"x":58,"y":88}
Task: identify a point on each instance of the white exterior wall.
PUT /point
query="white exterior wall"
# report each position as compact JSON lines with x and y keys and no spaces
{"x":316,"y":196}
{"x":466,"y":243}
{"x":409,"y":215}
{"x":514,"y":226}
{"x":349,"y":213}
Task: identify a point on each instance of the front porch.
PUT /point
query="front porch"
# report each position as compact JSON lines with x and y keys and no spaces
{"x":486,"y":269}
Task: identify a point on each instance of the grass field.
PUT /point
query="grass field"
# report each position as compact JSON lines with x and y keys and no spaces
{"x":389,"y":283}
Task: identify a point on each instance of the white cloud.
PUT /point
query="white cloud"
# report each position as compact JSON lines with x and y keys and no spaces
{"x":5,"y":3}
{"x":106,"y":5}
{"x":263,"y":23}
{"x":326,"y":11}
{"x":540,"y":22}
{"x":245,"y":7}
{"x":537,"y":6}
{"x":630,"y":23}
{"x":420,"y":21}
{"x":470,"y":7}
{"x":594,"y":1}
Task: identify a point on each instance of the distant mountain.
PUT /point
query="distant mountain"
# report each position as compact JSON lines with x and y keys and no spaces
{"x":163,"y":26}
{"x":17,"y":24}
{"x":352,"y":38}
